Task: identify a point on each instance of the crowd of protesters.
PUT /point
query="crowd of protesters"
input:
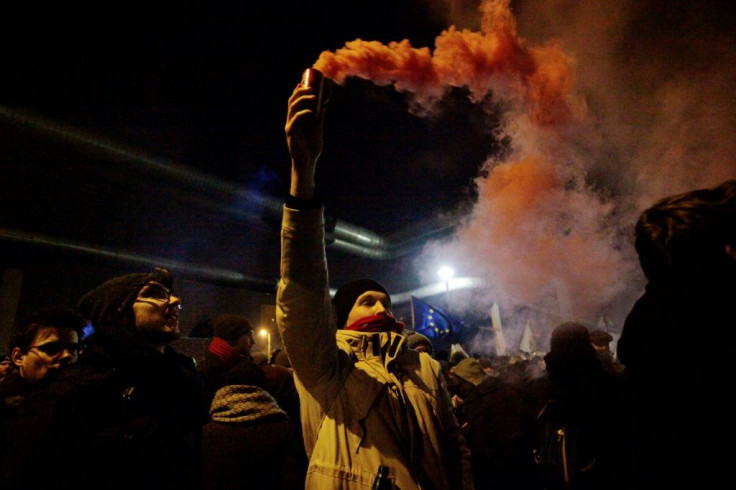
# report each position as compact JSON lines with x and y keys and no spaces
{"x":357,"y":401}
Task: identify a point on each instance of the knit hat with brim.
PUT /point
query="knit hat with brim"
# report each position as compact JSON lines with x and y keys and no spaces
{"x":110,"y":304}
{"x":570,"y":338}
{"x":346,"y":296}
{"x":570,"y":348}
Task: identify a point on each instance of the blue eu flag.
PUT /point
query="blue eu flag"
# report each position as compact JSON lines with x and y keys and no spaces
{"x":434,"y":322}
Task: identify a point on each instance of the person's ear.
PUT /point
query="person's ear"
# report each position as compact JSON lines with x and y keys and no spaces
{"x":17,"y":355}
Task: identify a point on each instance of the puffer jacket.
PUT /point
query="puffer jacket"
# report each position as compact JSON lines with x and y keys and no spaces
{"x":366,"y":399}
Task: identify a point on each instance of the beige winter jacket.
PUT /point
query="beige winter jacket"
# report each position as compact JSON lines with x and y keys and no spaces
{"x":366,"y":399}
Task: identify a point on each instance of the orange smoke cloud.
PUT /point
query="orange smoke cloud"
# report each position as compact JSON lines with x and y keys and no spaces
{"x":539,"y":241}
{"x":539,"y":233}
{"x":516,"y":190}
{"x":494,"y":60}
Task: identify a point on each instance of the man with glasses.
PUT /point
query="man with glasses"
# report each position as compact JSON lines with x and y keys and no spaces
{"x":46,"y":341}
{"x":129,"y":414}
{"x":42,"y":343}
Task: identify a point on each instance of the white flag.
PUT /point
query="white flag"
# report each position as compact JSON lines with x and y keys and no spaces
{"x":604,"y":324}
{"x":457,"y":348}
{"x":498,"y":331}
{"x":528,"y":343}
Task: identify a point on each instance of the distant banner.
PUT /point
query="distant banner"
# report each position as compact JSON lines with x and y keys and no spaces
{"x":434,"y":322}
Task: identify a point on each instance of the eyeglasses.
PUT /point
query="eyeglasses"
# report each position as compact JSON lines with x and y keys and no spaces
{"x":156,"y":292}
{"x":53,"y":349}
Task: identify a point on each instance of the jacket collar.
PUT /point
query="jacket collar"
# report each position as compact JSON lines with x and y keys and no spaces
{"x":370,"y":345}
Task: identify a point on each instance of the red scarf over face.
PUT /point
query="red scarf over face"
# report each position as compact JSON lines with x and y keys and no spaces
{"x":377,"y":323}
{"x":223,"y":350}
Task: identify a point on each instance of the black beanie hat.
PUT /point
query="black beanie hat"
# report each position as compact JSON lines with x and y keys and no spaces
{"x":570,"y":346}
{"x":346,"y":296}
{"x":231,"y":327}
{"x":414,"y":339}
{"x":110,"y":304}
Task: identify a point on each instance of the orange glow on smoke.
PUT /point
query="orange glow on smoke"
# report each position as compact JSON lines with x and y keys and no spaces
{"x":494,"y":60}
{"x":538,"y":232}
{"x":538,"y":239}
{"x":516,"y":190}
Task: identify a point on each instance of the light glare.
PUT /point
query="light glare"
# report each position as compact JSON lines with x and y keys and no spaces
{"x":445,"y":273}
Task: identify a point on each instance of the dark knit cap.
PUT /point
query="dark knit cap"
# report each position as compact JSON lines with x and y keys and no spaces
{"x":346,"y":296}
{"x":414,"y":339}
{"x":231,"y":327}
{"x":110,"y":304}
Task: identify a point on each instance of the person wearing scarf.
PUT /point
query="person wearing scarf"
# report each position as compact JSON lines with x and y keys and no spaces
{"x":375,"y":414}
{"x":231,"y":343}
{"x":365,"y":306}
{"x":249,"y":441}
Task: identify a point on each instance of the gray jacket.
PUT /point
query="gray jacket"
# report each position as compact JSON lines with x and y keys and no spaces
{"x":366,"y":399}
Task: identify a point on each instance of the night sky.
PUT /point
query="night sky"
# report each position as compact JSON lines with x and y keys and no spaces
{"x":206,"y":87}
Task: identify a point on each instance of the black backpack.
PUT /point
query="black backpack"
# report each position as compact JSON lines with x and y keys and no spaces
{"x":565,"y":452}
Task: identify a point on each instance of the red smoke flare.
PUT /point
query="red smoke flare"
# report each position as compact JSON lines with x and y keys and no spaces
{"x":538,"y":232}
{"x":495,"y":59}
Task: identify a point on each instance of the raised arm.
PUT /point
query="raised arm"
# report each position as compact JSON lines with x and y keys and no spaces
{"x":303,"y":302}
{"x":304,"y":138}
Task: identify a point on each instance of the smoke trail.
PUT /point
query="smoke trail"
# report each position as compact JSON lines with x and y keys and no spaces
{"x":493,"y":60}
{"x":551,"y":229}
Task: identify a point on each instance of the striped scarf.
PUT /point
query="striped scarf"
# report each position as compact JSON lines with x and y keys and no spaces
{"x":243,"y":403}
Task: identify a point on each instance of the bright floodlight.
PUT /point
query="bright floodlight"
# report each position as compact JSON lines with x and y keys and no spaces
{"x":445,"y":273}
{"x":263,"y":332}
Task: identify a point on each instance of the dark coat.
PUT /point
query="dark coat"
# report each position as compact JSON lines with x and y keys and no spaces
{"x":591,"y":399}
{"x":500,"y":434}
{"x":13,"y":390}
{"x":260,"y":455}
{"x":678,"y":345}
{"x":250,"y":440}
{"x":126,"y":416}
{"x":211,"y":369}
{"x":278,"y":381}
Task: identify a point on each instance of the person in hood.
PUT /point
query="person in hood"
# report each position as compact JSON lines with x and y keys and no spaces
{"x":375,"y":414}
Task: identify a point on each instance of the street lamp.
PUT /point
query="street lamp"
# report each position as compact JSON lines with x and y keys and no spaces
{"x":446,"y":274}
{"x":265,"y":333}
